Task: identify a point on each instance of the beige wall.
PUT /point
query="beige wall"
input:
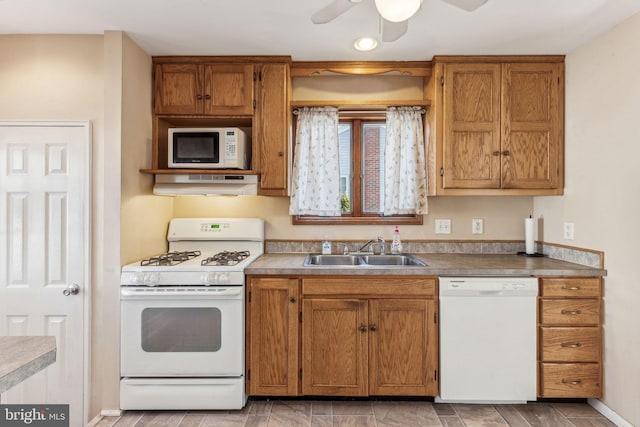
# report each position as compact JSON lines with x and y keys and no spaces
{"x":503,"y":217}
{"x":602,"y":195}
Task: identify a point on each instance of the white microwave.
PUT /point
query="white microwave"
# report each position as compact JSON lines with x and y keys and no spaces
{"x":208,"y":148}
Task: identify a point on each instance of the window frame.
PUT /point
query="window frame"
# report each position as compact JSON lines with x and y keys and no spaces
{"x":357,"y":118}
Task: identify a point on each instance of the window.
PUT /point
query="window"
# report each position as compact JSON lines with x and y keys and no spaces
{"x":361,"y":138}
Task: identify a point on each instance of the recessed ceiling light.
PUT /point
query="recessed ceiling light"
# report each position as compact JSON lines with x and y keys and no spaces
{"x":365,"y":44}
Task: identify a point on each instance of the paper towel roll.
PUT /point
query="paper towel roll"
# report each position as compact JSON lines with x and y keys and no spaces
{"x":529,"y":240}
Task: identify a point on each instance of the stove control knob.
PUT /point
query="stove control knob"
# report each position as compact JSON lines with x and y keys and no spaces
{"x":223,"y":278}
{"x":152,"y":279}
{"x":209,"y":279}
{"x":138,"y":279}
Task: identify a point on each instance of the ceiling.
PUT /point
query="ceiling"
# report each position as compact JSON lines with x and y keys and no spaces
{"x":283,"y":27}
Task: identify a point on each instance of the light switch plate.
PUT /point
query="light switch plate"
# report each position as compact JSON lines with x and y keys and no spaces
{"x":443,"y":226}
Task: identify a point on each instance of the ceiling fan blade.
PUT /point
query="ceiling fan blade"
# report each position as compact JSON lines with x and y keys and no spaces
{"x":468,"y":5}
{"x":332,"y":11}
{"x":392,"y":31}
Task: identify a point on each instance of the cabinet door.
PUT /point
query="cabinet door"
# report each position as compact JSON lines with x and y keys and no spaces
{"x":273,"y":336}
{"x":334,"y":347}
{"x":532,"y":125}
{"x":228,"y":89}
{"x":403,"y":352}
{"x":471,"y":145}
{"x":272,"y":126}
{"x":178,"y":89}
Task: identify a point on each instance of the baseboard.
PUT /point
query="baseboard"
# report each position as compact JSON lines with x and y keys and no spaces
{"x":94,"y":421}
{"x":609,"y":413}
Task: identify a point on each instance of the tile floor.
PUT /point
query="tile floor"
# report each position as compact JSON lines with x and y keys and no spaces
{"x":377,"y":413}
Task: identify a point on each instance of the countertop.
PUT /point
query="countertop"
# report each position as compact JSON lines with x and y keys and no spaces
{"x":21,"y":357}
{"x":437,"y":265}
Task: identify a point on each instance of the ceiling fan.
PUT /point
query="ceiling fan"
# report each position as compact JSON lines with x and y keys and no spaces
{"x":394,"y":14}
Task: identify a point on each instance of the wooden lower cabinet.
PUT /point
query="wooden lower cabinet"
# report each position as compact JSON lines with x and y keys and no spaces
{"x":341,"y":336}
{"x":570,"y":337}
{"x":272,"y":336}
{"x":357,"y":343}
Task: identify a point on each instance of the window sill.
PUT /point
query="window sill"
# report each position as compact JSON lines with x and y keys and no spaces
{"x":363,"y":220}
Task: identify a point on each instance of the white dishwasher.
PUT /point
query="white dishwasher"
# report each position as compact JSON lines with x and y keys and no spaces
{"x":488,"y":339}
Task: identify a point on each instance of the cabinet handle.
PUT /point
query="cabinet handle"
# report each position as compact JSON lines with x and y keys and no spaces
{"x":571,"y":312}
{"x":571,"y":345}
{"x":363,"y":328}
{"x":207,"y":96}
{"x":506,"y":153}
{"x":280,"y":153}
{"x":292,"y":299}
{"x":570,"y":288}
{"x":198,"y":97}
{"x":373,"y":328}
{"x":569,"y":382}
{"x":496,"y":153}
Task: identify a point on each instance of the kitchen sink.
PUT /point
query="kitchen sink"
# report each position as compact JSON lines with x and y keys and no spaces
{"x":313,"y":259}
{"x":392,"y":260}
{"x":363,"y":260}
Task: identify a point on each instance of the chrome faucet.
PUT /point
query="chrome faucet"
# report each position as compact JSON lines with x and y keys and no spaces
{"x":377,"y":241}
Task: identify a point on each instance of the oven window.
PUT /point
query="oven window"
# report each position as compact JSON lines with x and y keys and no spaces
{"x":184,"y":329}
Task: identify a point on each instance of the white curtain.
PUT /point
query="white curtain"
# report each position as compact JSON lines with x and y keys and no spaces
{"x":316,"y":170}
{"x":405,"y":182}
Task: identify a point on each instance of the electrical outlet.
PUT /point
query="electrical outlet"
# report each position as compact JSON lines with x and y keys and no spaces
{"x":569,"y":229}
{"x":443,"y":226}
{"x":476,"y":226}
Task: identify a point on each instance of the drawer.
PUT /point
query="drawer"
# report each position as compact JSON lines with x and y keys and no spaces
{"x":382,"y":286}
{"x":571,"y":344}
{"x":570,"y":311}
{"x":570,"y":287}
{"x":576,"y":380}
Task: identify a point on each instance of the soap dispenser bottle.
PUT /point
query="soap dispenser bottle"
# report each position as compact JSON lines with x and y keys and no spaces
{"x":326,"y":246}
{"x":396,"y":243}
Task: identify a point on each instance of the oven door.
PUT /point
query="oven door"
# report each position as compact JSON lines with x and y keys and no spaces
{"x":182,"y":332}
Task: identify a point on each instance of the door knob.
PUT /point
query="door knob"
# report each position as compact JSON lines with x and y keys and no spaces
{"x":71,"y":290}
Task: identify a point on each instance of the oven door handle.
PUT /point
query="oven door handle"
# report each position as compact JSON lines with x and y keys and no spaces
{"x":159,"y":293}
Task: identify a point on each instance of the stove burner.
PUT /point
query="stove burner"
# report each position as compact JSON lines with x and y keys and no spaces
{"x":170,"y":258}
{"x":226,"y":258}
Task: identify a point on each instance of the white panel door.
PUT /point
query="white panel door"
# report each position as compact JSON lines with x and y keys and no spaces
{"x":44,"y":250}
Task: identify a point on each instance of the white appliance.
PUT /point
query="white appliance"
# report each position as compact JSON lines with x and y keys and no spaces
{"x":193,"y":184}
{"x":208,"y":148}
{"x":182,"y":317}
{"x":488,"y":339}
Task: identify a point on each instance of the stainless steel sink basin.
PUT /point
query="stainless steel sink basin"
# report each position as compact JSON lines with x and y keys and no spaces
{"x":392,"y":260}
{"x":363,"y":260}
{"x":313,"y":259}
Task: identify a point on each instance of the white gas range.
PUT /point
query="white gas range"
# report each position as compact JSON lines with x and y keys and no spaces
{"x":182,"y":317}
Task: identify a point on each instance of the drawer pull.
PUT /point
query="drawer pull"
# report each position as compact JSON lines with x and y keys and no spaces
{"x":571,"y":288}
{"x":571,"y":345}
{"x":569,"y":382}
{"x":571,"y":312}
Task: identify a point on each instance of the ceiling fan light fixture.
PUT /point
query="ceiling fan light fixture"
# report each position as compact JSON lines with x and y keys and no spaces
{"x":365,"y":44}
{"x":397,"y":10}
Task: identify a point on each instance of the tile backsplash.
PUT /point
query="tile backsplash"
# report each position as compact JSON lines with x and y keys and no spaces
{"x":581,"y":256}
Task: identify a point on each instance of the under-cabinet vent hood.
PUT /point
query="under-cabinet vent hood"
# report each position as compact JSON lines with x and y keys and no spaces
{"x":188,"y":184}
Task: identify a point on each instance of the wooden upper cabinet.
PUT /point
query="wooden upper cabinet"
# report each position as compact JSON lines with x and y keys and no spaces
{"x":531,"y":125}
{"x":472,"y":126}
{"x":203,"y":89}
{"x":271,"y":124}
{"x":178,"y":89}
{"x":502,"y":126}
